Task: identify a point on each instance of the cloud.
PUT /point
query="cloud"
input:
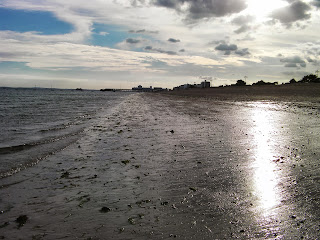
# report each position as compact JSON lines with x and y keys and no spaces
{"x":137,"y":3}
{"x":217,"y":42}
{"x":243,"y":52}
{"x":103,"y":33}
{"x":294,"y":61}
{"x":143,"y":31}
{"x":226,"y":48}
{"x":242,"y":20}
{"x":70,"y":56}
{"x":137,"y":31}
{"x":133,"y":51}
{"x":244,"y":28}
{"x":167,"y":3}
{"x":297,"y":74}
{"x":197,"y":10}
{"x":316,"y":3}
{"x":291,"y":65}
{"x":296,"y":11}
{"x":173,"y":40}
{"x":310,"y":60}
{"x":159,"y":50}
{"x":132,"y":41}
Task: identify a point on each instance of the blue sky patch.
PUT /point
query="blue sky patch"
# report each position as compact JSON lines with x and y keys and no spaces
{"x":109,"y":35}
{"x":13,"y":66}
{"x":25,"y":21}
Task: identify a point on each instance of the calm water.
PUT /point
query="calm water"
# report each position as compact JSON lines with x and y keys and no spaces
{"x":35,"y":123}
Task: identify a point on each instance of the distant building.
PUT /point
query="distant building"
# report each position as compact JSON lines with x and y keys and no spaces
{"x":159,"y":89}
{"x":142,"y":89}
{"x":150,"y":89}
{"x":203,"y":84}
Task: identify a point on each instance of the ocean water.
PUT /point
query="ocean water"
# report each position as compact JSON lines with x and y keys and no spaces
{"x":35,"y":123}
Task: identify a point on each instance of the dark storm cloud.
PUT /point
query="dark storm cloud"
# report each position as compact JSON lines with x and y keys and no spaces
{"x":294,"y":61}
{"x":182,"y":50}
{"x":196,"y":10}
{"x":132,"y":41}
{"x":159,"y":50}
{"x":296,"y":11}
{"x":173,"y":40}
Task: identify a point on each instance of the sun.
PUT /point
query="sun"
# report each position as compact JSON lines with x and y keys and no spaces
{"x":261,"y":9}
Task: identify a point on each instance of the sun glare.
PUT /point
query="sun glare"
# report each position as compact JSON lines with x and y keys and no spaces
{"x":261,"y":9}
{"x":265,"y":177}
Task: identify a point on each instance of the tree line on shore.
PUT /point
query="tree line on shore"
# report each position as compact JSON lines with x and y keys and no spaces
{"x":311,"y":78}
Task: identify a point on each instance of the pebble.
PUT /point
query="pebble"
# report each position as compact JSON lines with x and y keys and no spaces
{"x":105,"y":209}
{"x":21,"y":220}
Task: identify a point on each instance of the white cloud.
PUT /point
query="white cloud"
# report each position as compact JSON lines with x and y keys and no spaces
{"x":152,"y":23}
{"x":22,"y":48}
{"x":103,"y":33}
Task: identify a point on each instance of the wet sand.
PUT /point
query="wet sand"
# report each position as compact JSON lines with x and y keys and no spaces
{"x":167,"y":166}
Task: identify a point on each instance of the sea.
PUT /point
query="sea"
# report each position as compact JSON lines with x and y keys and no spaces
{"x":37,"y":122}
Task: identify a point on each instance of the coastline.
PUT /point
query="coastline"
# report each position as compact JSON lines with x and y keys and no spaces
{"x":286,"y":92}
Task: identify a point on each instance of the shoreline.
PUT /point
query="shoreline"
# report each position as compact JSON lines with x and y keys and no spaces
{"x":286,"y":92}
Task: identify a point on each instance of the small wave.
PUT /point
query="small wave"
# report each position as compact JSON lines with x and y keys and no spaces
{"x":55,"y":128}
{"x":35,"y":152}
{"x":27,"y":146}
{"x":11,"y":149}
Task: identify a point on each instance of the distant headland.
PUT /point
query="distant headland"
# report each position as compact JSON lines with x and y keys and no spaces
{"x":306,"y":89}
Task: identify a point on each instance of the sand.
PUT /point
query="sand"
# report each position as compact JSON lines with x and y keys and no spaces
{"x":164,"y":166}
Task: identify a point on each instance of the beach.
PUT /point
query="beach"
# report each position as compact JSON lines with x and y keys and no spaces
{"x":184,"y":165}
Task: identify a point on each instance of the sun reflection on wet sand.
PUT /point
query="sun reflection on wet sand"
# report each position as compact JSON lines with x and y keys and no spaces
{"x":265,"y":177}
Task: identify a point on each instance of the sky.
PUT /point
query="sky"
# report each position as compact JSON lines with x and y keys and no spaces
{"x":161,"y":43}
